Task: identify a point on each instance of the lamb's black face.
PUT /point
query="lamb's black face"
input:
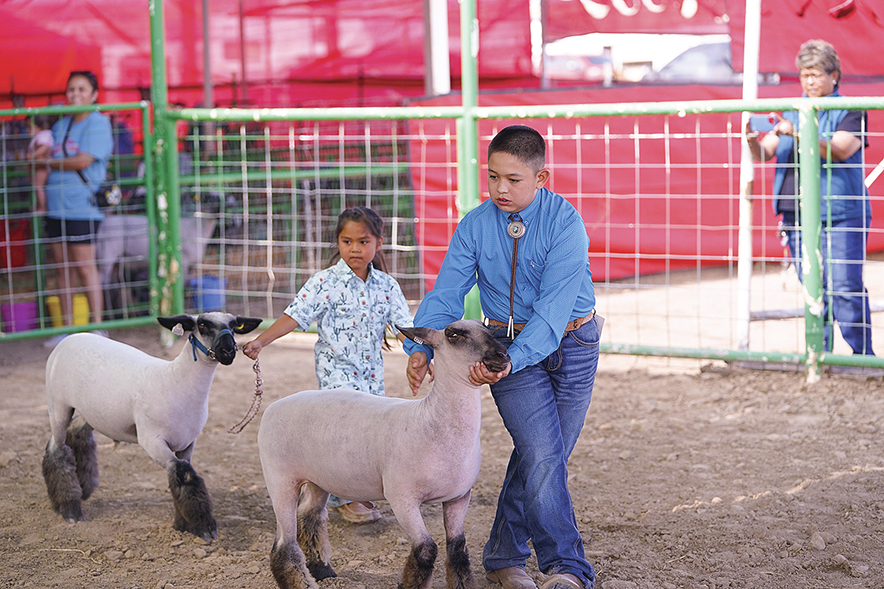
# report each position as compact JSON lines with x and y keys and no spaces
{"x":494,"y":354}
{"x":221,"y":335}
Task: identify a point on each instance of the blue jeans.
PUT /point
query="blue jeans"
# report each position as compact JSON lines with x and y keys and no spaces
{"x":543,"y":407}
{"x":844,"y":295}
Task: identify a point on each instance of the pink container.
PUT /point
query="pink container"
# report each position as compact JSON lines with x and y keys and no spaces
{"x":19,"y":316}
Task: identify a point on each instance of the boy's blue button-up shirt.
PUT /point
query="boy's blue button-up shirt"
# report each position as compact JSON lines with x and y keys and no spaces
{"x":553,"y":280}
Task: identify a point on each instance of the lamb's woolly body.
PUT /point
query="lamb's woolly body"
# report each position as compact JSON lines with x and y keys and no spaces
{"x":131,"y":396}
{"x":365,"y":448}
{"x":146,"y":394}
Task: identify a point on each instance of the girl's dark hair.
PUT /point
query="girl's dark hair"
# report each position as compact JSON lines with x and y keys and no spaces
{"x":93,"y":79}
{"x":375,"y":225}
{"x":44,"y":121}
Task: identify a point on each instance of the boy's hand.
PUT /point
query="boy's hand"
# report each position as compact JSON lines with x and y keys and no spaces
{"x":480,"y":375}
{"x":416,"y":370}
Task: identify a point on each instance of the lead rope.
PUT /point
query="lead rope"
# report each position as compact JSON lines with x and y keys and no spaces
{"x":515,"y":229}
{"x":256,"y":399}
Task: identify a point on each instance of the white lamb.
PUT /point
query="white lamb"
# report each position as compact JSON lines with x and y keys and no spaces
{"x":131,"y":396}
{"x":366,"y":448}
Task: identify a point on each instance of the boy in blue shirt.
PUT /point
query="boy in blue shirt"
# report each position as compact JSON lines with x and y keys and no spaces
{"x":526,"y":248}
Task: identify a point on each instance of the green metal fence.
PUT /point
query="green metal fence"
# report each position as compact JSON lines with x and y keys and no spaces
{"x":270,"y":182}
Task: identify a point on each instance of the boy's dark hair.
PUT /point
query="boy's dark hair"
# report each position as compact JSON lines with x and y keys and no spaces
{"x":522,"y":142}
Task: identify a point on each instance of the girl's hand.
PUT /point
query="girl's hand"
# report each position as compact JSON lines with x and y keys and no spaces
{"x":480,"y":375}
{"x":416,"y":370}
{"x":252,"y":349}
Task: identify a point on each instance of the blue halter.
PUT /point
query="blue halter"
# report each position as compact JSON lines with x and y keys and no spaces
{"x":196,"y":344}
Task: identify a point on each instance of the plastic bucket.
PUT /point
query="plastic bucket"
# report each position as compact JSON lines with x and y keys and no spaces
{"x":19,"y":316}
{"x":12,"y":251}
{"x":208,"y":293}
{"x":81,"y":310}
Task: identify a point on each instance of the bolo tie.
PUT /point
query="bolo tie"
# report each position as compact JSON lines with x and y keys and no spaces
{"x":515,"y":229}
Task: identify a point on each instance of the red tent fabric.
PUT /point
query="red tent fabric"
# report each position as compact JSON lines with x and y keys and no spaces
{"x":38,"y":60}
{"x":853,"y":27}
{"x":292,"y":53}
{"x":566,"y":18}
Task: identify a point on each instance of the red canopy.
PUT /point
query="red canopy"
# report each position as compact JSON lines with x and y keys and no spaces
{"x":566,"y":18}
{"x":333,"y":52}
{"x":292,"y":52}
{"x":852,"y":26}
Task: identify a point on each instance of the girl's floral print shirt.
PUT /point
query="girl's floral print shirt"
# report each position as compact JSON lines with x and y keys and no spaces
{"x":351,"y":316}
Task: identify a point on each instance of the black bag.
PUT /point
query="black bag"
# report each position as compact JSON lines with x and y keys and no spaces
{"x":108,"y":195}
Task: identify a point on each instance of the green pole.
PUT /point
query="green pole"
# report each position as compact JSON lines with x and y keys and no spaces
{"x":170,"y":286}
{"x":468,"y":137}
{"x":811,"y":228}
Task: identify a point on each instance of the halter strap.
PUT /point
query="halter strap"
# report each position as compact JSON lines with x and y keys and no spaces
{"x":196,"y":344}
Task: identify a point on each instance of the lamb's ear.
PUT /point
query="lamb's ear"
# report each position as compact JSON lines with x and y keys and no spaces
{"x":245,"y":324}
{"x":187,"y":322}
{"x":421,"y":335}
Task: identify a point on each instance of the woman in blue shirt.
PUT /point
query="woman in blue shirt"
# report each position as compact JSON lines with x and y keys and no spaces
{"x":846,"y":210}
{"x":83,"y":146}
{"x":527,"y":249}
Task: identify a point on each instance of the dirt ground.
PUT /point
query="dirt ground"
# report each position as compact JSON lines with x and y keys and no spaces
{"x":687,"y":475}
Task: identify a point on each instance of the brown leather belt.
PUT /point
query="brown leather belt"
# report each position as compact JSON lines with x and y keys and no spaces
{"x":571,"y":326}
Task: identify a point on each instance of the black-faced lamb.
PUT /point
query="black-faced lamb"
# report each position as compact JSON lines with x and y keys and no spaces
{"x":130,"y":396}
{"x":367,"y":448}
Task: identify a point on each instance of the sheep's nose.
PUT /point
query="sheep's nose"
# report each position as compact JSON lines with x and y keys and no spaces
{"x":224,"y":348}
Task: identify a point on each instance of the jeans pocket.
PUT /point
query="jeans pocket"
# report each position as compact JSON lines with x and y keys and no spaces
{"x":588,"y":334}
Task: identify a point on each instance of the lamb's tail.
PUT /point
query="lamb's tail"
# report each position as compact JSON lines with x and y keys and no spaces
{"x":82,"y":442}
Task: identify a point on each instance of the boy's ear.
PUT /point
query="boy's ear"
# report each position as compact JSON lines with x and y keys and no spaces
{"x":542,"y":177}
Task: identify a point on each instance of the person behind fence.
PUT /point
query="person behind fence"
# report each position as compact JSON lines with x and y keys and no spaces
{"x":846,"y":210}
{"x":78,"y":166}
{"x":354,"y":302}
{"x":526,"y":249}
{"x":40,"y":148}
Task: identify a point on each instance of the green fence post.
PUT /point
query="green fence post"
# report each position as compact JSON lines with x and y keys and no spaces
{"x":468,"y":136}
{"x":171,"y":288}
{"x":811,"y":228}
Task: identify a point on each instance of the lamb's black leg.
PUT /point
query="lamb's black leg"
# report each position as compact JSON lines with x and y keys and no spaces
{"x":82,"y":442}
{"x":457,"y":567}
{"x":418,"y":572}
{"x":288,"y":568}
{"x":313,"y":538}
{"x":193,"y":505}
{"x":60,"y":474}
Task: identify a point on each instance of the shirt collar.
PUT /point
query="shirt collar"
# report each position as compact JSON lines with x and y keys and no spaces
{"x":346,"y":273}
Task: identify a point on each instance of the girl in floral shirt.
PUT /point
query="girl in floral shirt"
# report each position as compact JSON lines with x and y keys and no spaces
{"x":353,"y":302}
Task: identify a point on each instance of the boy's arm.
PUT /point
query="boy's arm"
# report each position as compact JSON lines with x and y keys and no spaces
{"x":445,"y":303}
